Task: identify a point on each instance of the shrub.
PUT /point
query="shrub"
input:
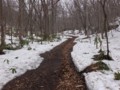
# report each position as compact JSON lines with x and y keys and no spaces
{"x":9,"y":47}
{"x":102,"y":56}
{"x":97,"y":41}
{"x":117,"y":76}
{"x":24,"y":42}
{"x":99,"y":56}
{"x":38,"y":40}
{"x":53,"y":36}
{"x":45,"y":37}
{"x":29,"y":48}
{"x":102,"y":66}
{"x":1,"y":50}
{"x":31,"y":37}
{"x":13,"y":70}
{"x":7,"y":61}
{"x":58,"y":39}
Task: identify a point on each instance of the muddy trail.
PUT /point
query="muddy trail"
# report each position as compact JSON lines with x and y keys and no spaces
{"x":56,"y":72}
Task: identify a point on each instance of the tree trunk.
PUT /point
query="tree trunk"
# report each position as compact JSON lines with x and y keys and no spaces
{"x":20,"y":28}
{"x":2,"y":27}
{"x":106,"y":26}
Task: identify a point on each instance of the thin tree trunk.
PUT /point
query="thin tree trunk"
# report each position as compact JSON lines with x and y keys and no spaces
{"x":106,"y":26}
{"x":20,"y":22}
{"x":2,"y":26}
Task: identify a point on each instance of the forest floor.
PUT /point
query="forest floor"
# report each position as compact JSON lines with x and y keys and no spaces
{"x":56,"y":72}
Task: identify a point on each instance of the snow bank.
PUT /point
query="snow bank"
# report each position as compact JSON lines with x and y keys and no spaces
{"x":22,"y":60}
{"x":82,"y":55}
{"x":101,"y":81}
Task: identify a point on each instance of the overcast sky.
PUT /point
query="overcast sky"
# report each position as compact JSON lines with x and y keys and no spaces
{"x":68,"y":1}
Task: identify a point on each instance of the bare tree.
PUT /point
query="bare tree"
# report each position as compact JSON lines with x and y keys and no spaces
{"x":21,"y":20}
{"x":2,"y":27}
{"x":105,"y":23}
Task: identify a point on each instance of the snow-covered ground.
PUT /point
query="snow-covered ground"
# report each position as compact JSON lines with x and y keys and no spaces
{"x":82,"y":55}
{"x":23,"y":59}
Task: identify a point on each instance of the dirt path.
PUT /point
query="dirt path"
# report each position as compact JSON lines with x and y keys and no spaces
{"x":56,"y":72}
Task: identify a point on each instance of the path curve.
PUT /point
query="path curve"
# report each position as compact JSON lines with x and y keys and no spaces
{"x":56,"y":72}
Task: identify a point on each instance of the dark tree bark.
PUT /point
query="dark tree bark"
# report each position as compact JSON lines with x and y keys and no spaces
{"x":105,"y":23}
{"x":20,"y":20}
{"x":46,"y":19}
{"x":2,"y":27}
